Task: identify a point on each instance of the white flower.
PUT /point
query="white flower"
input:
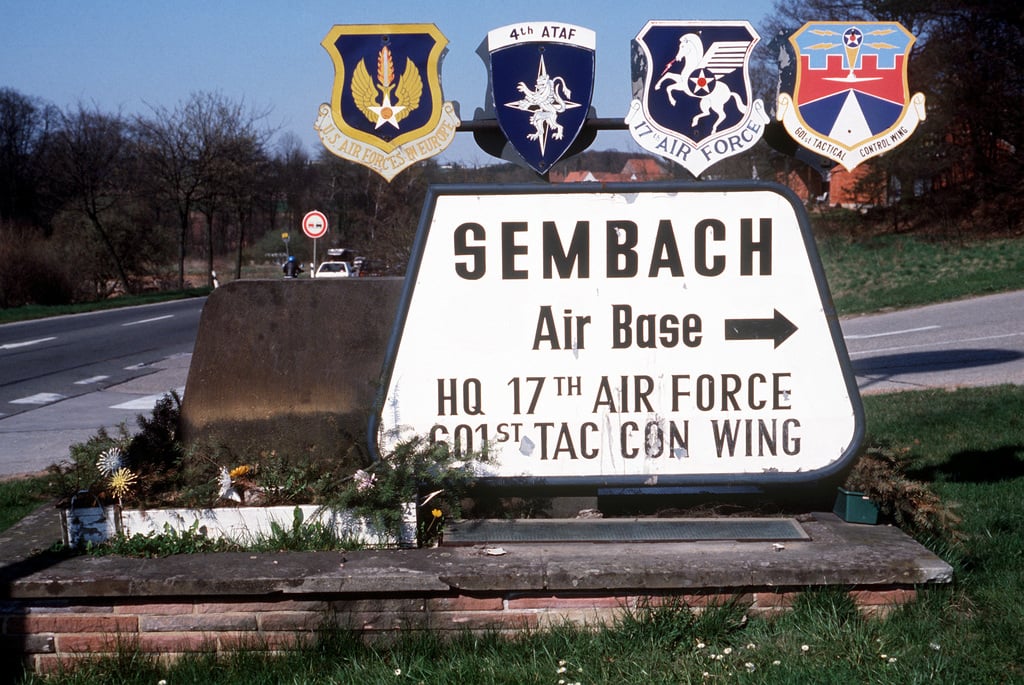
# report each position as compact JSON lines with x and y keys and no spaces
{"x":804,"y":648}
{"x":749,"y":666}
{"x":398,"y":671}
{"x":776,"y":663}
{"x":364,"y":481}
{"x":110,"y":461}
{"x":727,"y":650}
{"x":226,"y":489}
{"x":935,"y":646}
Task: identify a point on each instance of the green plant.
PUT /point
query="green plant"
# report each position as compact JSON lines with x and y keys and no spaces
{"x":192,"y":540}
{"x":429,"y":475}
{"x":303,"y":536}
{"x":144,"y":467}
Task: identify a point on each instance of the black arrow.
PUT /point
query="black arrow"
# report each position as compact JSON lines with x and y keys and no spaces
{"x":777,"y":328}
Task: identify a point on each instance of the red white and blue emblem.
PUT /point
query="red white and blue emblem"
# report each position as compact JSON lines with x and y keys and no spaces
{"x":850,"y":100}
{"x":692,"y":99}
{"x":386,"y":111}
{"x":542,"y":81}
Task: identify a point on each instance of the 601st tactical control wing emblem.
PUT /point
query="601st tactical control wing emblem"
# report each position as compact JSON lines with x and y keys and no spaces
{"x":692,"y":99}
{"x":851,"y":101}
{"x":386,"y":111}
{"x":542,"y":80}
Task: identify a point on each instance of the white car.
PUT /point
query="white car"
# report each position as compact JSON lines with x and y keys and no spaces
{"x":335,"y":270}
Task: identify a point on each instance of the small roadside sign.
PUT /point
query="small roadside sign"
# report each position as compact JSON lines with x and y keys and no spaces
{"x":314,"y":224}
{"x":627,"y":335}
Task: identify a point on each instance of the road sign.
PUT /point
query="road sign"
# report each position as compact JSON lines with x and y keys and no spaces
{"x":314,"y":224}
{"x":623,"y":335}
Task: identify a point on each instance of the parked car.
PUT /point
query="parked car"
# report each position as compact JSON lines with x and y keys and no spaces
{"x":335,"y":270}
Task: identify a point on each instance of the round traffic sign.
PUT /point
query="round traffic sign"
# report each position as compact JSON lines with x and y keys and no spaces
{"x":314,"y":224}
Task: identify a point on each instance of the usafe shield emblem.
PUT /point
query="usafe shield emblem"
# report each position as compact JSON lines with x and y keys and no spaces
{"x":542,"y":81}
{"x":386,"y":110}
{"x":692,"y":100}
{"x":850,"y":100}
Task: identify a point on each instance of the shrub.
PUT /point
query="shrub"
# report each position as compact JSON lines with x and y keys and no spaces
{"x":913,"y":505}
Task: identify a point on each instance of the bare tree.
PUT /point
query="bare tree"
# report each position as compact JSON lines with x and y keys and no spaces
{"x":183,"y":148}
{"x":90,"y":163}
{"x":25,"y":125}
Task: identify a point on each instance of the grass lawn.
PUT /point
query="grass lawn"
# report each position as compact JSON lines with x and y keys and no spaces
{"x":967,"y":444}
{"x":896,"y":272}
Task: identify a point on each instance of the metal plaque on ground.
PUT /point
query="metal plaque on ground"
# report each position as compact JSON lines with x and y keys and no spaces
{"x":624,"y":335}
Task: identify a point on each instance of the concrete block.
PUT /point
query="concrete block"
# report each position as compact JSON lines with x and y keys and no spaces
{"x":290,"y":366}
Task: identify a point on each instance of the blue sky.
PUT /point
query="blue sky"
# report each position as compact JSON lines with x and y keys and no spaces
{"x":125,"y":56}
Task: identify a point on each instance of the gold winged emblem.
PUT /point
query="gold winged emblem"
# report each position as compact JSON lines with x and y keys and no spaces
{"x":406,"y":91}
{"x":376,"y":117}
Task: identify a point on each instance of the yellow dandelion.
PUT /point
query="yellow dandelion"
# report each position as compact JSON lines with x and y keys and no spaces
{"x":121,"y":482}
{"x":436,"y":513}
{"x":240,"y":471}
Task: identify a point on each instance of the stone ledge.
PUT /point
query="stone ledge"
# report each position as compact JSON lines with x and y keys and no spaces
{"x":837,"y":554}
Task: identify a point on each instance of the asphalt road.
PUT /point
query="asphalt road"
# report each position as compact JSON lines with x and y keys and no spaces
{"x":62,"y":379}
{"x":973,"y":342}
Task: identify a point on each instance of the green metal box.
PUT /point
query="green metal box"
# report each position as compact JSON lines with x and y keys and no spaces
{"x":855,"y":507}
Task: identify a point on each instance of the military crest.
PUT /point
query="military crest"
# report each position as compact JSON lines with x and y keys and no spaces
{"x":692,"y":100}
{"x":386,"y":111}
{"x":542,"y":81}
{"x":850,"y":100}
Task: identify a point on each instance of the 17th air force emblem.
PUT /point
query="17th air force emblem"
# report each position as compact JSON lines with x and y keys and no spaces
{"x":850,"y":100}
{"x":386,"y":111}
{"x":692,"y":99}
{"x":542,"y":80}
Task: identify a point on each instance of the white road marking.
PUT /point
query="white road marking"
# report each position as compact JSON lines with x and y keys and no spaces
{"x":155,"y":318}
{"x":882,"y":335}
{"x":946,"y":343}
{"x":146,"y":402}
{"x":26,"y":343}
{"x":39,"y":398}
{"x":135,"y":367}
{"x":90,"y":381}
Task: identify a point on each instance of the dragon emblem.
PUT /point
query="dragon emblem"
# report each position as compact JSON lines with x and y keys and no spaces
{"x":386,"y":101}
{"x":546,"y":100}
{"x":542,"y":82}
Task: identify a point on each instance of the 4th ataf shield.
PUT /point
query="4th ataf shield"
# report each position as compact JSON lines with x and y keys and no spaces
{"x":542,"y":77}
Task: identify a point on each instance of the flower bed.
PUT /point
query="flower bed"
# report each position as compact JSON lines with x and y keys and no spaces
{"x":150,"y":484}
{"x":239,"y":525}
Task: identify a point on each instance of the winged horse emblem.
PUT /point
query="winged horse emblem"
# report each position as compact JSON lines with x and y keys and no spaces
{"x":700,"y":76}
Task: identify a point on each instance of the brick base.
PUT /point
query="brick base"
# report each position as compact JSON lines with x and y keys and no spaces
{"x":54,"y":634}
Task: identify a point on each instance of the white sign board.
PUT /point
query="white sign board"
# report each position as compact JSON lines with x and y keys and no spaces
{"x":314,"y":224}
{"x":628,"y":334}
